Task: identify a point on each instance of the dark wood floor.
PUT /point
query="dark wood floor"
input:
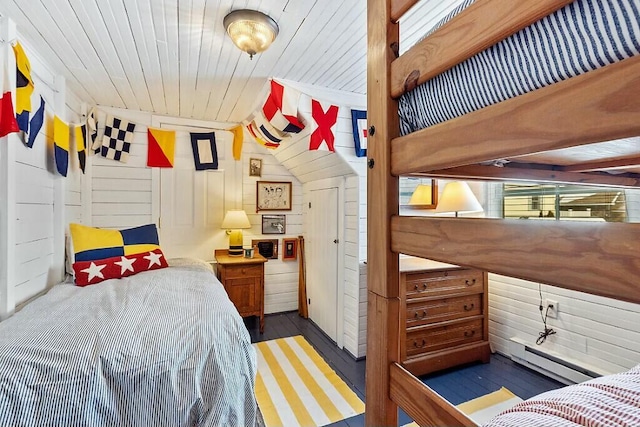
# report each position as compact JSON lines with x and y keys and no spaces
{"x":456,"y":385}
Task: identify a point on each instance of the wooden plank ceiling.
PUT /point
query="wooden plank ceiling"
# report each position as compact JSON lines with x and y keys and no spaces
{"x":173,"y":56}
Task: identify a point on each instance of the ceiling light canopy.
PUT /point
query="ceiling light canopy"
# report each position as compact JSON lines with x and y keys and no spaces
{"x":251,"y":31}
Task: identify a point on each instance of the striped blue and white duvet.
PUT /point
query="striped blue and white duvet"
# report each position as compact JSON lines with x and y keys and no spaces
{"x":161,"y":348}
{"x":580,"y":37}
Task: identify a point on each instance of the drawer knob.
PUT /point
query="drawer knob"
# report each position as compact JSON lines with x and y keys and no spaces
{"x":470,"y":282}
{"x":469,"y":334}
{"x":417,"y":287}
{"x":469,"y":307}
{"x":416,"y":344}
{"x":417,"y":314}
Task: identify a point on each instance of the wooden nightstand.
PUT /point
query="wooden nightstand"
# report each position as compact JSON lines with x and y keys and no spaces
{"x":243,"y":279}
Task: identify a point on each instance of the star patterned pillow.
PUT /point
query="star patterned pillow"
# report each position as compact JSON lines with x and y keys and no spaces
{"x":95,"y":271}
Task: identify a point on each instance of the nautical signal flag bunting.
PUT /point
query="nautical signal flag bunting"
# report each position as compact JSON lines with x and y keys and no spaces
{"x":161,"y":148}
{"x":24,"y":87}
{"x":61,"y":145}
{"x":325,"y":121}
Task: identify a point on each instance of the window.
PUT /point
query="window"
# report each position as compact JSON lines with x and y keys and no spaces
{"x":564,"y":202}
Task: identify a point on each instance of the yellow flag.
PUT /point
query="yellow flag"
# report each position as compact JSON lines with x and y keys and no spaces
{"x":238,"y":137}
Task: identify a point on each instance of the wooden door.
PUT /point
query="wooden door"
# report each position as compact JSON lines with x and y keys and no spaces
{"x":322,"y":261}
{"x":193,"y":203}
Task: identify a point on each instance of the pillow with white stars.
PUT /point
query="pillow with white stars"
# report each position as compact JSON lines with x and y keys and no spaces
{"x":95,"y":271}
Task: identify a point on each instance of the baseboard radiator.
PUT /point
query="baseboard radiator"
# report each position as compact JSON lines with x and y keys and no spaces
{"x":560,"y":369}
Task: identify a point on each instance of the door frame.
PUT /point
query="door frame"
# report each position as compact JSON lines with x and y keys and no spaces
{"x":339,"y":183}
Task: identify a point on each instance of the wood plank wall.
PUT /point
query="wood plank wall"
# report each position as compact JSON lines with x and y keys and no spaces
{"x":42,"y":199}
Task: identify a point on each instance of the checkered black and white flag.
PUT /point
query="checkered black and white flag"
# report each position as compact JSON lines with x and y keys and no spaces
{"x":117,"y":138}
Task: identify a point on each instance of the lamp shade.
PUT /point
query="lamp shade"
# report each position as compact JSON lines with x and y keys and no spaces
{"x":421,"y":196}
{"x":458,"y":197}
{"x":235,"y":219}
{"x":251,"y":31}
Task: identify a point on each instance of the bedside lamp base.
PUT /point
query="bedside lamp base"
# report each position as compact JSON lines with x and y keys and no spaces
{"x":235,"y":243}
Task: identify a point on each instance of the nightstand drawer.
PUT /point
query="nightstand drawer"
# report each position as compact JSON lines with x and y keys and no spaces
{"x":425,"y":312}
{"x":444,"y":283}
{"x":432,"y":338}
{"x":243,"y":271}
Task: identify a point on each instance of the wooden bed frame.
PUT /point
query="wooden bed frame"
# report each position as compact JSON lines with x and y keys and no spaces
{"x":601,"y":105}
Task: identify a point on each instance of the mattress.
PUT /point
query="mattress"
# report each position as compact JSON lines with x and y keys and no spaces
{"x":612,"y":400}
{"x":580,"y":37}
{"x":161,"y":348}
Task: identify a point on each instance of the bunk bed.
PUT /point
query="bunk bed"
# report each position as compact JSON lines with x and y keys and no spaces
{"x":579,"y":128}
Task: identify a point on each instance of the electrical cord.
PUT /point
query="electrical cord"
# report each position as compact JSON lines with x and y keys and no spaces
{"x":542,"y":336}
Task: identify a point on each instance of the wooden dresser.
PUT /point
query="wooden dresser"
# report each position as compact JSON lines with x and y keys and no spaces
{"x":243,"y":279}
{"x":443,"y":315}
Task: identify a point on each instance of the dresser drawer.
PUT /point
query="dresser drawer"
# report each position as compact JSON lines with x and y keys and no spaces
{"x":243,"y":271}
{"x":444,"y":282}
{"x":431,"y":338}
{"x":425,"y":312}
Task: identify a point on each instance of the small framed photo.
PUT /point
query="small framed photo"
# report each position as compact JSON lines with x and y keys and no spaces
{"x":273,"y":224}
{"x":290,"y":249}
{"x":255,"y":167}
{"x":273,"y":196}
{"x":268,"y":248}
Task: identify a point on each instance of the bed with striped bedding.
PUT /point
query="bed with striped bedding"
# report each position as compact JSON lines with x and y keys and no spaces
{"x":580,"y":37}
{"x":612,"y":400}
{"x":161,"y":348}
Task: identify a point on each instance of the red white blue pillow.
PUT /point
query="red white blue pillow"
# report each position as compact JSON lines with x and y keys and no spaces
{"x":95,"y":271}
{"x":98,"y":254}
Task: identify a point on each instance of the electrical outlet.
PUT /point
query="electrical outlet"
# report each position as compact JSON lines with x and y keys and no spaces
{"x":554,"y":308}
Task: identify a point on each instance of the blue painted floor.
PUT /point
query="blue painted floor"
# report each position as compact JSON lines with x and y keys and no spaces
{"x":457,"y":385}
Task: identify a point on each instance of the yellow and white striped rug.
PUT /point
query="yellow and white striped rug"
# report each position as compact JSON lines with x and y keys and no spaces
{"x":296,"y":387}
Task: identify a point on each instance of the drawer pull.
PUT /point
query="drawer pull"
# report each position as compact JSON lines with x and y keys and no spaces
{"x":417,"y":315}
{"x":417,"y":345}
{"x":469,"y":334}
{"x":470,"y":282}
{"x":417,"y":288}
{"x":469,"y":307}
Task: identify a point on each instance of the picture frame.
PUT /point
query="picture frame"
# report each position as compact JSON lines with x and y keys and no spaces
{"x":255,"y":167}
{"x":273,"y":196}
{"x":289,"y":249}
{"x":274,"y":224}
{"x":268,"y":248}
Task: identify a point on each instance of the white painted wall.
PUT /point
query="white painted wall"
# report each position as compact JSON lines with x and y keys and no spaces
{"x":35,"y":201}
{"x":596,"y":332}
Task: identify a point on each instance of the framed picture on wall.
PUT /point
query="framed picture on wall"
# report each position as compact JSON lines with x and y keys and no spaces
{"x":273,"y":196}
{"x":268,"y":248}
{"x":289,"y":249}
{"x":273,"y":224}
{"x":255,"y":167}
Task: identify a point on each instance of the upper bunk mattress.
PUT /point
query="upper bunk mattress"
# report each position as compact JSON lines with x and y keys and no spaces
{"x":580,"y":37}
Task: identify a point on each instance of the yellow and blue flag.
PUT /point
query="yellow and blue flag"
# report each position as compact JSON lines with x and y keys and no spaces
{"x":24,"y":87}
{"x":61,"y":145}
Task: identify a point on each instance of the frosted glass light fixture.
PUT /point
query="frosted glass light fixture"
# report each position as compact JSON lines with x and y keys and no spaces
{"x":251,"y":31}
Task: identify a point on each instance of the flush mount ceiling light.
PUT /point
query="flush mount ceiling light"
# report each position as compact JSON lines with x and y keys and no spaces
{"x":251,"y":31}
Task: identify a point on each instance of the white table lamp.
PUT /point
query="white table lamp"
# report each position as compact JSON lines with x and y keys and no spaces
{"x":458,"y":197}
{"x":234,"y":221}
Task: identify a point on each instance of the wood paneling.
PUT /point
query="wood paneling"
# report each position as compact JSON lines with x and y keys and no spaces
{"x":530,"y":250}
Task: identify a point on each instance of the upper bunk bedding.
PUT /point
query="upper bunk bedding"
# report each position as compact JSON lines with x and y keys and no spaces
{"x":580,"y":37}
{"x":163,"y":347}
